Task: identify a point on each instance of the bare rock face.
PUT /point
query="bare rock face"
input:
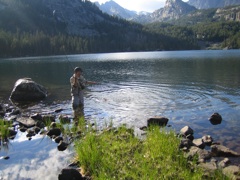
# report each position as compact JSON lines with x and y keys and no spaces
{"x":26,"y":91}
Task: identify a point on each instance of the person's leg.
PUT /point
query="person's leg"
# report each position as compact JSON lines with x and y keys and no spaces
{"x":78,"y":107}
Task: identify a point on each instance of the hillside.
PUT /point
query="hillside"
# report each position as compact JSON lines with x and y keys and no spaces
{"x":207,"y":4}
{"x":44,"y":27}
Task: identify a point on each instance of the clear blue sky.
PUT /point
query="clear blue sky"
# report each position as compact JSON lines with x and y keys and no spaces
{"x":138,"y":5}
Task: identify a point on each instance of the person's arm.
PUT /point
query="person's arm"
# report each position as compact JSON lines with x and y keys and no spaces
{"x":91,"y":82}
{"x":73,"y":81}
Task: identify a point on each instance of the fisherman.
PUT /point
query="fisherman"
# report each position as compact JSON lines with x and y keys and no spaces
{"x":78,"y":83}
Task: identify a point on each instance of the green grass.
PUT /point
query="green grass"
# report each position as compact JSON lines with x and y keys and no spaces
{"x":4,"y":133}
{"x":118,"y":154}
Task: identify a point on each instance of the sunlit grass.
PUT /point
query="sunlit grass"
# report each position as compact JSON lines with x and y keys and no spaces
{"x":118,"y":154}
{"x":4,"y":133}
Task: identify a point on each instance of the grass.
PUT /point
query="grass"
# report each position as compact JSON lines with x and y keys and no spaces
{"x":4,"y":133}
{"x":118,"y":154}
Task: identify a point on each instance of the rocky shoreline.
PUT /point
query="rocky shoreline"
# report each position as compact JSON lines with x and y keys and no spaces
{"x":211,"y":155}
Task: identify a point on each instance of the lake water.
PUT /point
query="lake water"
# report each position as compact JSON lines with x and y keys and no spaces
{"x":185,"y":86}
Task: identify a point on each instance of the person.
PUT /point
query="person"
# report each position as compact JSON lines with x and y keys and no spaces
{"x":78,"y":83}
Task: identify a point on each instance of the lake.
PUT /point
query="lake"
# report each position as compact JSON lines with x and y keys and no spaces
{"x":185,"y":86}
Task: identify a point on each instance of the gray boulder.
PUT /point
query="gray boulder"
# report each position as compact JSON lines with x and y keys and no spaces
{"x":185,"y":131}
{"x":208,"y":140}
{"x":26,"y":90}
{"x":160,"y":121}
{"x":233,"y":172}
{"x":222,"y":151}
{"x":199,"y":143}
{"x":203,"y":155}
{"x":215,"y":119}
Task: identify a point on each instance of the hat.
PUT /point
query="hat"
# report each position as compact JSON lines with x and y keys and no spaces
{"x":78,"y":69}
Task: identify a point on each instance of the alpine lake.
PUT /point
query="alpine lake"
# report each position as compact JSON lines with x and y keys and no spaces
{"x":185,"y":86}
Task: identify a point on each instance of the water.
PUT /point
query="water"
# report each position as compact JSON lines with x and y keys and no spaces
{"x":185,"y":86}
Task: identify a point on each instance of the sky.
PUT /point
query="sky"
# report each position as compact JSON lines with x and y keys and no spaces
{"x":138,"y":5}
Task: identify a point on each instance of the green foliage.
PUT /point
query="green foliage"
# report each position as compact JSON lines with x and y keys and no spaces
{"x":118,"y":154}
{"x":4,"y":133}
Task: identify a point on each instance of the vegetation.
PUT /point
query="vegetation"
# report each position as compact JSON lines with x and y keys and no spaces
{"x":4,"y":133}
{"x":118,"y":154}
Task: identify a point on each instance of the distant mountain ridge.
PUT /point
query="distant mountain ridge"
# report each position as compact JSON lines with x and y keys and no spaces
{"x":114,"y":9}
{"x":207,"y":4}
{"x":173,"y":9}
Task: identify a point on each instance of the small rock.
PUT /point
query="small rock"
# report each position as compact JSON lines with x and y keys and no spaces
{"x":186,"y":131}
{"x":37,"y":116}
{"x":70,"y":174}
{"x":202,"y":154}
{"x":54,"y":131}
{"x":160,"y":121}
{"x":36,"y":129}
{"x":144,"y":128}
{"x":232,"y":172}
{"x":208,"y":140}
{"x":64,"y":119}
{"x":58,"y":139}
{"x":224,"y":163}
{"x":58,"y":110}
{"x":15,"y":112}
{"x":209,"y":166}
{"x":23,"y":129}
{"x":199,"y":143}
{"x":6,"y":157}
{"x":62,"y":146}
{"x":48,"y":118}
{"x":190,"y":137}
{"x":53,"y":125}
{"x":30,"y":133}
{"x":40,"y":124}
{"x":222,"y":151}
{"x":12,"y":132}
{"x":185,"y":143}
{"x":215,"y":119}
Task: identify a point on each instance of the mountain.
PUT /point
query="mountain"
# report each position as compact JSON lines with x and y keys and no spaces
{"x":207,"y":4}
{"x":173,"y":9}
{"x":114,"y":9}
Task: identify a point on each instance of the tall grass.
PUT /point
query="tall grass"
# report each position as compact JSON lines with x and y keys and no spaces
{"x":118,"y":154}
{"x":4,"y":133}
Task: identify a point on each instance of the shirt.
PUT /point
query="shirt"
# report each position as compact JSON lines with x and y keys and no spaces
{"x":77,"y":84}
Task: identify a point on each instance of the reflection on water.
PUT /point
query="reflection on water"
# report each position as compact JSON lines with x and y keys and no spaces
{"x":186,"y":86}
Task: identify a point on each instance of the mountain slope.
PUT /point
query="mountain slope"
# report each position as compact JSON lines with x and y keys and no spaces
{"x":114,"y":9}
{"x":173,"y":9}
{"x":207,"y":4}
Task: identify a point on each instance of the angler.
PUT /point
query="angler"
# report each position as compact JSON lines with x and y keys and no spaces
{"x":78,"y":83}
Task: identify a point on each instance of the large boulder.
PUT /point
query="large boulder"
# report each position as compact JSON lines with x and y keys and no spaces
{"x":26,"y":90}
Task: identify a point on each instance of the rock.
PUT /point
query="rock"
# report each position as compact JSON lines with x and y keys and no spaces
{"x":26,"y":90}
{"x":48,"y":118}
{"x":209,"y":166}
{"x":199,"y":143}
{"x":70,"y":174}
{"x":190,"y":137}
{"x":233,"y":172}
{"x":64,"y":119}
{"x":143,"y":128}
{"x":160,"y":121}
{"x":202,"y":154}
{"x":208,"y":140}
{"x":15,"y":112}
{"x":222,"y":151}
{"x":186,"y":131}
{"x":6,"y":157}
{"x":224,"y":163}
{"x":2,"y":110}
{"x":36,"y":129}
{"x":40,"y":124}
{"x":26,"y":122}
{"x":12,"y":132}
{"x":37,"y":116}
{"x":58,"y":139}
{"x":58,"y":110}
{"x":53,"y":125}
{"x":54,"y":131}
{"x":215,"y":119}
{"x":62,"y":146}
{"x":185,"y":143}
{"x":30,"y":133}
{"x":23,"y":129}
